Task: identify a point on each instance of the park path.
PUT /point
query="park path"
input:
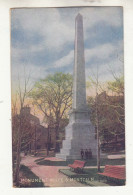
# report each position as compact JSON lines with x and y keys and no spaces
{"x":116,"y":156}
{"x":49,"y":174}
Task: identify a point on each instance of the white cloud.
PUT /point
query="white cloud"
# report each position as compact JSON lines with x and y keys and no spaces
{"x":92,"y":16}
{"x":55,"y":30}
{"x":23,"y":70}
{"x":17,"y":53}
{"x":47,"y":23}
{"x":103,"y":51}
{"x":106,"y":71}
{"x":65,"y":61}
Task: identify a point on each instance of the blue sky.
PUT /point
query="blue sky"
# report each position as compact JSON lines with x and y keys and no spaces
{"x":42,"y":41}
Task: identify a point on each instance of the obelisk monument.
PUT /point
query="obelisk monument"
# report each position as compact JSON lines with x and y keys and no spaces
{"x":79,"y":133}
{"x":79,"y":86}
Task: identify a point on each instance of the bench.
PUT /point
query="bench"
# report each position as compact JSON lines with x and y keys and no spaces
{"x":114,"y":171}
{"x":77,"y":165}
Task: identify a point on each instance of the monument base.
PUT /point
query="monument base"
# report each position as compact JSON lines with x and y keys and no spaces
{"x":79,"y":134}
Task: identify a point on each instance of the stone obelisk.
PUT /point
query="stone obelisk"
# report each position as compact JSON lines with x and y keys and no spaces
{"x":79,"y":87}
{"x":79,"y":133}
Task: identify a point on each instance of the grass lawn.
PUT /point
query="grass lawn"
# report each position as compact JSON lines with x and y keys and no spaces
{"x":87,"y":173}
{"x":91,"y":162}
{"x":39,"y":159}
{"x":92,"y":173}
{"x":28,"y":178}
{"x":90,"y":177}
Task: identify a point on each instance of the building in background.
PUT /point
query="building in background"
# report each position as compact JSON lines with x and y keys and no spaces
{"x":35,"y":137}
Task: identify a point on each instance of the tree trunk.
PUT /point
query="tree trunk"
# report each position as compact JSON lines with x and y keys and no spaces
{"x":48,"y":142}
{"x":57,"y":147}
{"x":98,"y":138}
{"x":98,"y":153}
{"x":18,"y":156}
{"x":35,"y":146}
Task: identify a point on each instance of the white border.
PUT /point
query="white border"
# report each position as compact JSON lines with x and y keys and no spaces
{"x":5,"y":98}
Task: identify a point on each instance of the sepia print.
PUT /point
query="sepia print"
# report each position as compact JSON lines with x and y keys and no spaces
{"x":68,"y":118}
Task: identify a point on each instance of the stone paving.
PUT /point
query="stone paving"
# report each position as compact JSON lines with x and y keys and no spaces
{"x":54,"y":159}
{"x":49,"y":174}
{"x":116,"y":156}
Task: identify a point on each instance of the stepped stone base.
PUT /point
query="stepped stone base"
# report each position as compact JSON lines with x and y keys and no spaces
{"x":79,"y":134}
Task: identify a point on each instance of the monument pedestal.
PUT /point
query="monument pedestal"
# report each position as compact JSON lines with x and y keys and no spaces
{"x":79,"y":134}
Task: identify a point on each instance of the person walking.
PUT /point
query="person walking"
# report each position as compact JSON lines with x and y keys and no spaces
{"x":82,"y":154}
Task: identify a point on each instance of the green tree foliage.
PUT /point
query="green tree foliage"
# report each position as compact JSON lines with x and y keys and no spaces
{"x":53,"y":96}
{"x":117,"y":86}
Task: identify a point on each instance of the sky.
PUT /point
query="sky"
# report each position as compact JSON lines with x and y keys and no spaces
{"x":42,"y":41}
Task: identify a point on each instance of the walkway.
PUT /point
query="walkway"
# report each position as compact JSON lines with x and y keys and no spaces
{"x":116,"y":156}
{"x":49,"y":174}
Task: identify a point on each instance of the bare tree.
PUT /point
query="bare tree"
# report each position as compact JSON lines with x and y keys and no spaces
{"x":22,"y":94}
{"x":95,"y":82}
{"x":108,"y":111}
